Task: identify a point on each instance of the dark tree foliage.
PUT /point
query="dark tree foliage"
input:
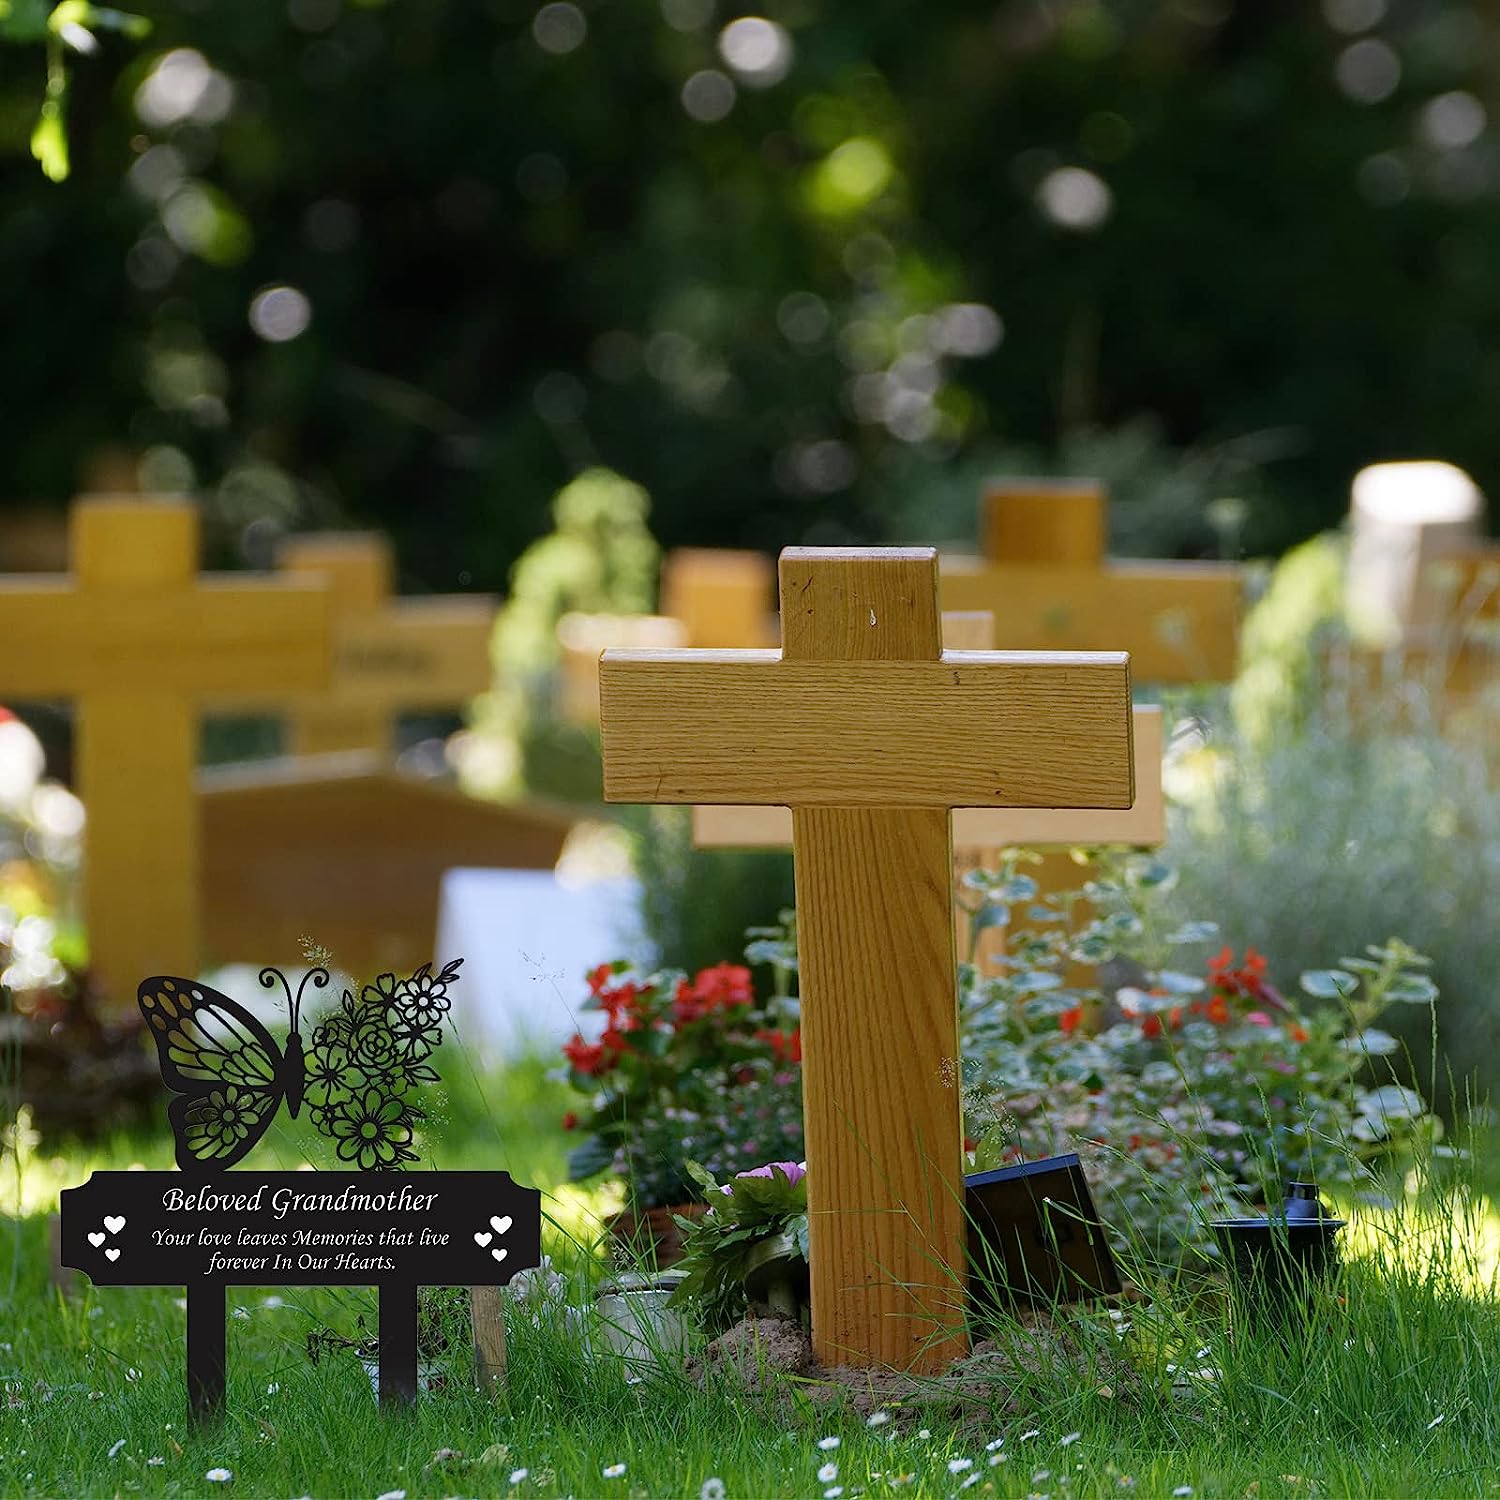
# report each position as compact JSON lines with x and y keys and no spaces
{"x":532,"y":238}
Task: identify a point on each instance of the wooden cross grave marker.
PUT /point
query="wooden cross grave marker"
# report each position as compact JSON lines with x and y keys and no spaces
{"x":391,"y":655}
{"x":871,"y":733}
{"x":137,"y":640}
{"x":1045,"y":575}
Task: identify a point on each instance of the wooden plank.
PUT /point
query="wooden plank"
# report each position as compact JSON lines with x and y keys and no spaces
{"x":977,"y":829}
{"x":972,"y":729}
{"x":350,"y":852}
{"x":879,"y":1006}
{"x":1064,"y":522}
{"x":722,"y":597}
{"x":217,"y":640}
{"x":487,"y":1318}
{"x":1178,"y":621}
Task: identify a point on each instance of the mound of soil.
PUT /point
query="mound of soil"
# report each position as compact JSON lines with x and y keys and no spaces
{"x":772,"y":1358}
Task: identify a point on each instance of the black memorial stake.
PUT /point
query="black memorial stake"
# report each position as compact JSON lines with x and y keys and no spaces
{"x":205,"y":1228}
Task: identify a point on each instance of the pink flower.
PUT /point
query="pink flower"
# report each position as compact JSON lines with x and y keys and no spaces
{"x":1258,"y":1018}
{"x":793,"y":1171}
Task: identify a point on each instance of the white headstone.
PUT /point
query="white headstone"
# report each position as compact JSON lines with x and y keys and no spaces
{"x":1404,"y":517}
{"x":527,"y":939}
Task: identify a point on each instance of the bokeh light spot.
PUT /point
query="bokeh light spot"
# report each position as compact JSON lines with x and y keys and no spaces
{"x":1075,"y":198}
{"x":708,"y":96}
{"x":280,"y":313}
{"x":1368,"y":71}
{"x":559,"y":27}
{"x":757,"y":50}
{"x":1452,"y":121}
{"x":1353,"y":16}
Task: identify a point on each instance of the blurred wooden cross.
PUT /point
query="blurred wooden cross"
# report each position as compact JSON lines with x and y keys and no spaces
{"x":391,"y":655}
{"x":722,"y":597}
{"x":137,"y":640}
{"x":1045,"y":575}
{"x":871,"y":733}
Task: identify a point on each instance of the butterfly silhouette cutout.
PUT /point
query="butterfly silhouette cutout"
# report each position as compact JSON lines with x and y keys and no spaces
{"x":227,"y":1073}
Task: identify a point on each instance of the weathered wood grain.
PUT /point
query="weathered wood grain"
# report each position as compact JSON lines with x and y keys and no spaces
{"x":970,"y":729}
{"x":979,"y":830}
{"x":487,"y":1317}
{"x":879,"y":1002}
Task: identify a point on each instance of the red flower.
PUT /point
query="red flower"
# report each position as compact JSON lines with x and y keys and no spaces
{"x":719,"y":988}
{"x":599,"y":978}
{"x":570,"y":1121}
{"x":1069,"y":1020}
{"x":787,"y":1046}
{"x":622,"y":1003}
{"x":599,"y":1058}
{"x":1151,"y":1027}
{"x":724,"y":985}
{"x":1298,"y":1033}
{"x":585,"y":1059}
{"x":1217,"y":1011}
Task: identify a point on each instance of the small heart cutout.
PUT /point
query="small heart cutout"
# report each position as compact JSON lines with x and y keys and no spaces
{"x":483,"y":1238}
{"x":96,"y":1239}
{"x":499,"y":1254}
{"x":111,"y":1255}
{"x":500,"y":1225}
{"x":114,"y":1222}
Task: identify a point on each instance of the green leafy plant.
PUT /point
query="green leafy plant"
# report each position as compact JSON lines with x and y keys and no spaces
{"x":1190,"y":1087}
{"x":747,"y":1215}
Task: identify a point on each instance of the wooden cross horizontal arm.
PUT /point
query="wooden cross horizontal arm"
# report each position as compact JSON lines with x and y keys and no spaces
{"x":418,"y":654}
{"x":211,"y":637}
{"x":971,"y":729}
{"x":1179,"y":621}
{"x":976,"y":829}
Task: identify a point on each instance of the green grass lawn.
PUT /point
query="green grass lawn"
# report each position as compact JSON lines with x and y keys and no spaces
{"x":1392,"y":1387}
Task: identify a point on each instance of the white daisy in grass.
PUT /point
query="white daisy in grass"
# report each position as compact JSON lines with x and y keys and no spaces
{"x":517,"y":1475}
{"x":828,"y":1473}
{"x":614,"y":1471}
{"x":958,"y":1465}
{"x":219,"y":1476}
{"x":828,"y":1444}
{"x":713,"y":1489}
{"x":877,"y":1419}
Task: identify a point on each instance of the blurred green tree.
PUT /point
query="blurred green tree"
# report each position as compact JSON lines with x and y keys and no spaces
{"x":416,"y":263}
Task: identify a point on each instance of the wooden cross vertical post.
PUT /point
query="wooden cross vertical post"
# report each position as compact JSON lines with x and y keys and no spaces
{"x":723,"y":598}
{"x":871,"y":734}
{"x":135,"y":639}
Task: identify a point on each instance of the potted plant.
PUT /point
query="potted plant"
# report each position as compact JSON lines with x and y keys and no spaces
{"x":439,"y":1309}
{"x":684,"y":1069}
{"x":747,"y":1251}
